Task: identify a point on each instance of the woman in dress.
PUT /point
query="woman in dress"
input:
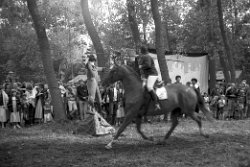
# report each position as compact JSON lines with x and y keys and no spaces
{"x":14,"y":107}
{"x":3,"y":106}
{"x":39,"y":103}
{"x":92,"y":84}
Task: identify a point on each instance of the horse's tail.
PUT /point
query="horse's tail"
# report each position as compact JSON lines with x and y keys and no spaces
{"x":201,"y":104}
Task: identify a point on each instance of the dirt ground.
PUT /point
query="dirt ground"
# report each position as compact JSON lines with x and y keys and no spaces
{"x":55,"y":145}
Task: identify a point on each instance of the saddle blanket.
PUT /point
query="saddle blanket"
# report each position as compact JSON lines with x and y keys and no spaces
{"x":162,"y":93}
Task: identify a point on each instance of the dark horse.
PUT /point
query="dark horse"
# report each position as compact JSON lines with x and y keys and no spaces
{"x":181,"y":99}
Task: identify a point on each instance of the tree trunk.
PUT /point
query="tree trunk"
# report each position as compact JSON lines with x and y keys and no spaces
{"x":165,"y":26}
{"x":144,"y":33}
{"x":247,"y":67}
{"x":101,"y":57}
{"x":225,"y":68}
{"x":227,"y":48}
{"x":1,"y":3}
{"x":210,"y":44}
{"x":160,"y":50}
{"x":212,"y":72}
{"x":165,"y":35}
{"x":47,"y":61}
{"x":133,"y":23}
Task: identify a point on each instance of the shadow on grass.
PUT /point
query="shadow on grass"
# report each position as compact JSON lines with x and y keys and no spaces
{"x":54,"y":145}
{"x":136,"y":152}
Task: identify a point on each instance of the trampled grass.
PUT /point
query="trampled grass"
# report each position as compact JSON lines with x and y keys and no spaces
{"x":55,"y":145}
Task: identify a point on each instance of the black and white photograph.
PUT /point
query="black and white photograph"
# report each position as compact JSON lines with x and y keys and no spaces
{"x":124,"y":83}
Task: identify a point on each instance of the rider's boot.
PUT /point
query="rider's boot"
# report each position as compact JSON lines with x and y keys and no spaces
{"x":155,"y":99}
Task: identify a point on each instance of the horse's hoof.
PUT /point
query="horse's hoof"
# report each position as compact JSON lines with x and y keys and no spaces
{"x":108,"y":147}
{"x":161,"y":143}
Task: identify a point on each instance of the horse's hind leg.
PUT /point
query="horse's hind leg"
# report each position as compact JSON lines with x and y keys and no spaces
{"x":138,"y":127}
{"x":197,"y":118}
{"x":174,"y":119}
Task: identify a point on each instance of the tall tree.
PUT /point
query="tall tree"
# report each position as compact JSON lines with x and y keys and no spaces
{"x":159,"y":42}
{"x":43,"y":43}
{"x":101,"y":58}
{"x":1,"y":3}
{"x":210,"y":43}
{"x":224,"y":64}
{"x":133,"y":23}
{"x":227,"y":47}
{"x":165,"y":26}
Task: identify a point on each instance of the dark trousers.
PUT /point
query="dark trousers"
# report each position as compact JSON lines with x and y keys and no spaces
{"x":113,"y":106}
{"x":31,"y":114}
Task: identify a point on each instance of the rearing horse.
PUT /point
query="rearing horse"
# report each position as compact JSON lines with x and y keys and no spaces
{"x":181,"y":99}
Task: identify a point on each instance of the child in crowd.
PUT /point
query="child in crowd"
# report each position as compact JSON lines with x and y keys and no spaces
{"x":48,"y":110}
{"x":14,"y":107}
{"x":71,"y":102}
{"x":206,"y":99}
{"x":120,"y":113}
{"x":220,"y":106}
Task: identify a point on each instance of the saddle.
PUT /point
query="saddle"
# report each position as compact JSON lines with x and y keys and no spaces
{"x":161,"y":92}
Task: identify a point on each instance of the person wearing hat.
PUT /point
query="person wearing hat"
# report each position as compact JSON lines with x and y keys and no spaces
{"x":92,"y":84}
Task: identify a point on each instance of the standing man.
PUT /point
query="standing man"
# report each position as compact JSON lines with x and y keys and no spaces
{"x":243,"y":93}
{"x":178,"y":80}
{"x":195,"y":84}
{"x":82,"y":98}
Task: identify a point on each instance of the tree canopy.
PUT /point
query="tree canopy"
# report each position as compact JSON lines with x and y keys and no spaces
{"x":184,"y":25}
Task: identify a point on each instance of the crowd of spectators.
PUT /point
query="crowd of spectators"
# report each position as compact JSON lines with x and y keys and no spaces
{"x":229,"y":101}
{"x":25,"y":104}
{"x":226,"y":101}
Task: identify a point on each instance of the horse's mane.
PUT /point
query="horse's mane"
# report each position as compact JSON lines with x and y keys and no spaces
{"x":132,"y":71}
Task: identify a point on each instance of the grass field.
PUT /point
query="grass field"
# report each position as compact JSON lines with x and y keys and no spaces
{"x":55,"y":145}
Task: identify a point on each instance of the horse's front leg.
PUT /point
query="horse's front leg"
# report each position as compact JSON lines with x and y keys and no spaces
{"x":138,"y":127}
{"x":125,"y":123}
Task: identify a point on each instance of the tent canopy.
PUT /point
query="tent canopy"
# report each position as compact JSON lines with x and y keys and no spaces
{"x":187,"y":67}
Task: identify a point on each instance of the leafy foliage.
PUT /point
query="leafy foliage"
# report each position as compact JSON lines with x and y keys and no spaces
{"x":185,"y":25}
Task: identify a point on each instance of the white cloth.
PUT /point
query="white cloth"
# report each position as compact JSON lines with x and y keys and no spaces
{"x":95,"y":124}
{"x":5,"y":99}
{"x":3,"y":117}
{"x":161,"y":93}
{"x":48,"y":117}
{"x":72,"y":105}
{"x":151,"y":81}
{"x":15,"y":117}
{"x":30,"y":96}
{"x":62,"y":89}
{"x":115,"y":94}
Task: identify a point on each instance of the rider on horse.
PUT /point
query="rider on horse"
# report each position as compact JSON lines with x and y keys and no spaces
{"x":145,"y":64}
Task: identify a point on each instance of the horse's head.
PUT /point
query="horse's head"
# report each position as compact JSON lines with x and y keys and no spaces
{"x":113,"y":75}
